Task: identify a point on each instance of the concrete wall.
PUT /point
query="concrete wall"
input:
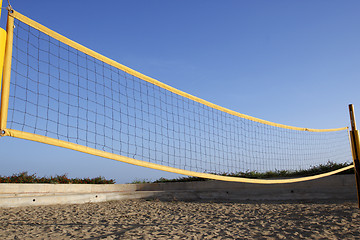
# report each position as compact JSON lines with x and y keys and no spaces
{"x":39,"y":188}
{"x":17,"y":194}
{"x":341,"y":187}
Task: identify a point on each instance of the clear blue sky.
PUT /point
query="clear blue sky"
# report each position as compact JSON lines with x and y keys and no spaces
{"x":290,"y":62}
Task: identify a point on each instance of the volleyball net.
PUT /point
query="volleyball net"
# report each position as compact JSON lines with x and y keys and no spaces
{"x":59,"y":92}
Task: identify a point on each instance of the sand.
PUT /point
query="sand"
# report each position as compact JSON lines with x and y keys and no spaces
{"x":154,"y":219}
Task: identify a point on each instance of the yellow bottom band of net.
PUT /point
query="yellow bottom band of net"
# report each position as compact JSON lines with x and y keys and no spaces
{"x":92,"y":151}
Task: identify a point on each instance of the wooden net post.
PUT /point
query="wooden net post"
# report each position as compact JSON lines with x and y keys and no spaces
{"x":355,"y":147}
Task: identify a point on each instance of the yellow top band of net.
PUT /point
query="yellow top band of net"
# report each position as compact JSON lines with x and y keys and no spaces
{"x":115,"y":64}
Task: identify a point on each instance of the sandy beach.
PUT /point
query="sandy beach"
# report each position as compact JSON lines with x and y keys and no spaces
{"x":154,"y":219}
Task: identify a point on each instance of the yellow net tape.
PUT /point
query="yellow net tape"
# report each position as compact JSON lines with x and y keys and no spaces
{"x":151,"y":80}
{"x":80,"y":148}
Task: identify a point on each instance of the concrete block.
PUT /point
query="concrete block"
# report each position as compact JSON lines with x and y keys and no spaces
{"x":339,"y":187}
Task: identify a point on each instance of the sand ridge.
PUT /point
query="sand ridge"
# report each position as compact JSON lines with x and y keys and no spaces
{"x":154,"y":219}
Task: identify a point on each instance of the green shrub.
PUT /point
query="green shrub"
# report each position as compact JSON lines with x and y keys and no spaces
{"x":315,"y":170}
{"x":24,"y":177}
